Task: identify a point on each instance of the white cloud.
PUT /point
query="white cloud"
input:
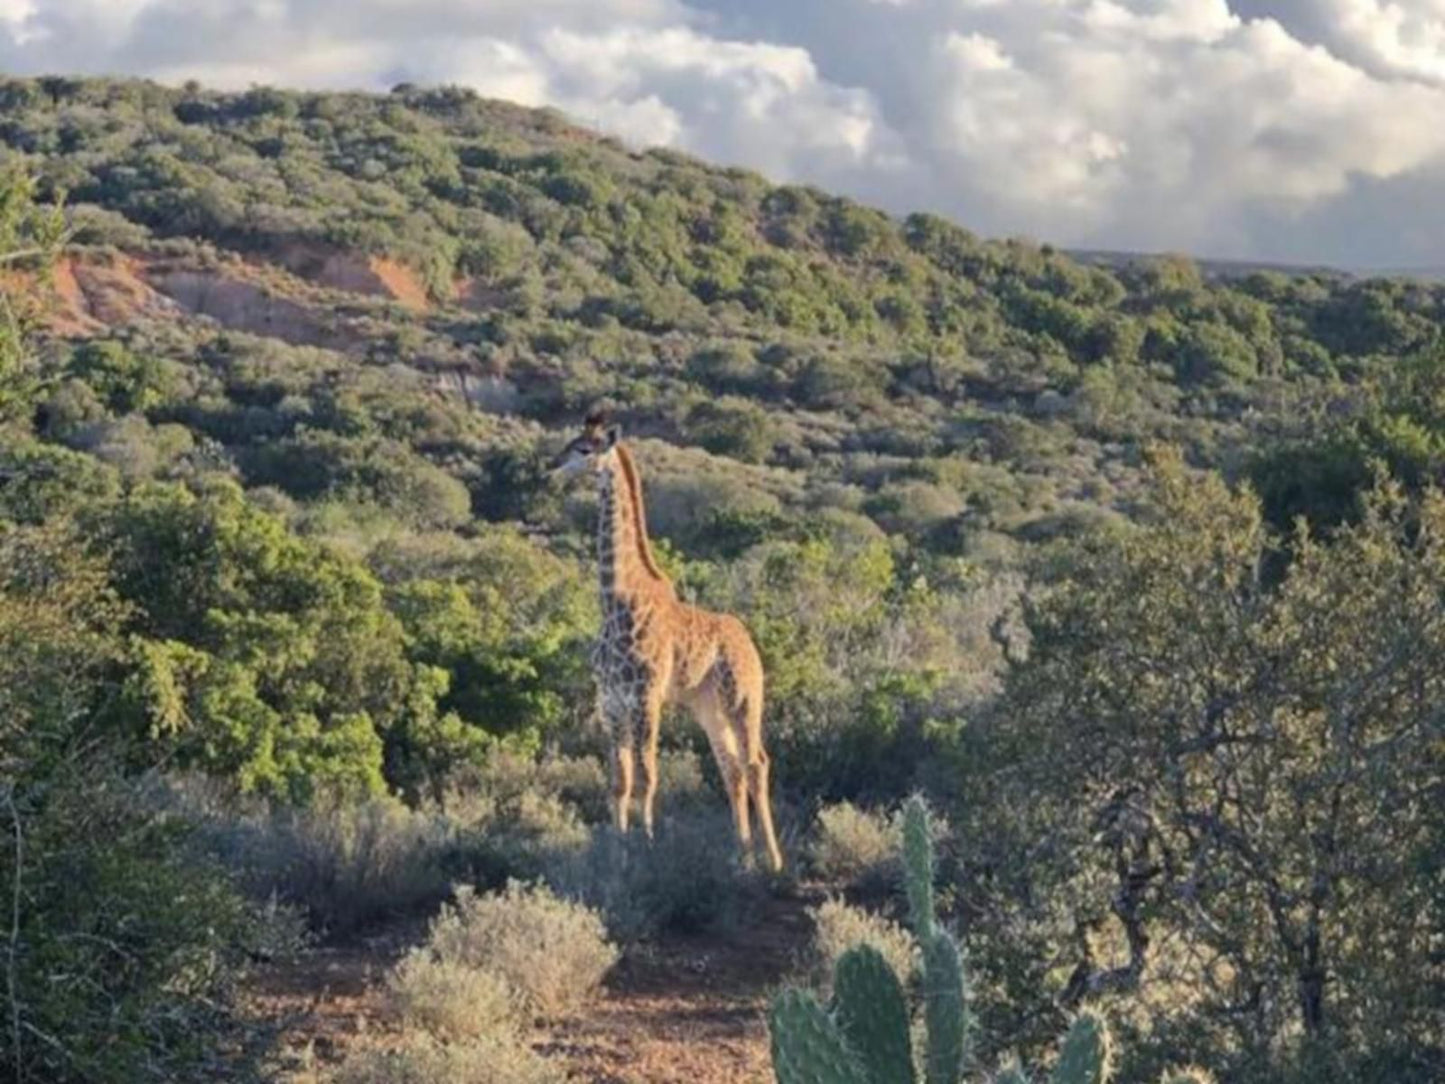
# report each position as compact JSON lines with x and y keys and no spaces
{"x":740,"y":101}
{"x":1388,"y":38}
{"x":1289,"y":128}
{"x":1156,"y":138}
{"x":15,"y":13}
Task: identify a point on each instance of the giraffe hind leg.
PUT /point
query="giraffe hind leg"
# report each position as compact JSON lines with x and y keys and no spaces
{"x":758,"y":787}
{"x":708,"y":709}
{"x":748,"y":720}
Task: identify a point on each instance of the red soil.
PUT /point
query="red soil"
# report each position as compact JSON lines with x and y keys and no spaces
{"x":682,"y":1010}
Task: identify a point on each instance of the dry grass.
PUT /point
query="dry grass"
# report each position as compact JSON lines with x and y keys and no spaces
{"x":688,"y":879}
{"x":345,"y":864}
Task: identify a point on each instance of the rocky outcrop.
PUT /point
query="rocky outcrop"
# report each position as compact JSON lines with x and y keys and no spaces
{"x":357,"y":273}
{"x":103,"y":290}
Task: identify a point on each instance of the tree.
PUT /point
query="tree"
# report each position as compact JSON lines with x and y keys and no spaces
{"x":122,"y":948}
{"x":258,"y":655}
{"x":29,"y":237}
{"x":1230,"y":770}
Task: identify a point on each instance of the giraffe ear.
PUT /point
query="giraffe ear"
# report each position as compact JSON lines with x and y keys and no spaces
{"x":614,"y":434}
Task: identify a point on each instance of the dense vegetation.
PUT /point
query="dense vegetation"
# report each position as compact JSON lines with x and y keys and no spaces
{"x":1186,"y":734}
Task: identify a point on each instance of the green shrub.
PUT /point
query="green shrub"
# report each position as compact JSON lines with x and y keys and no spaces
{"x":523,"y":837}
{"x":124,"y":944}
{"x":552,"y":952}
{"x":732,"y":427}
{"x":681,"y":784}
{"x":579,"y":781}
{"x":350,"y":865}
{"x":578,"y":784}
{"x":129,"y":944}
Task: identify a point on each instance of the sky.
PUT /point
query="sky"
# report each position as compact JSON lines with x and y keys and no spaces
{"x":1307,"y":131}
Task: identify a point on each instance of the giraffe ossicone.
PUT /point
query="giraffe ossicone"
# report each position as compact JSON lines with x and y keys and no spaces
{"x":654,"y":649}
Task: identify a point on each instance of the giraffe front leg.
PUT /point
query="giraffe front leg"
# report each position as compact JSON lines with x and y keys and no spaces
{"x":649,"y":731}
{"x":622,"y":775}
{"x":616,"y":720}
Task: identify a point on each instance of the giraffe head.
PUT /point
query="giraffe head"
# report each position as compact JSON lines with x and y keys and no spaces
{"x":589,"y":450}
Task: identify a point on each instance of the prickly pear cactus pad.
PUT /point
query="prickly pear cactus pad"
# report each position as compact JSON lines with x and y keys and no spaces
{"x":808,"y":1046}
{"x":1086,"y":1056}
{"x":869,"y":1006}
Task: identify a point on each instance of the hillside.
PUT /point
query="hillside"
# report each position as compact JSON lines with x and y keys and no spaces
{"x":1131,"y":566}
{"x":529,"y":268}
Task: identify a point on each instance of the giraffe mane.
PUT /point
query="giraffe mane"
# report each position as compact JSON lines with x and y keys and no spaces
{"x":634,"y":497}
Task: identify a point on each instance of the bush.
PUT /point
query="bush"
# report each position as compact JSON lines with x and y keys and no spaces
{"x":128,"y":945}
{"x":346,"y":865}
{"x":124,"y":945}
{"x":449,"y":998}
{"x":687,"y":879}
{"x":507,"y":775}
{"x":420,"y":1060}
{"x":350,"y":865}
{"x":732,"y":427}
{"x":552,"y":952}
{"x":838,"y":927}
{"x":856,"y":846}
{"x":523,"y":838}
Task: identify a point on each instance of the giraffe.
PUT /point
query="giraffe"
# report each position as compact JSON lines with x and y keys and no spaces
{"x":655,"y":649}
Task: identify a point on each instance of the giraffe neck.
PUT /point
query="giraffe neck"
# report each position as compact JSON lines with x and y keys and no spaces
{"x":624,"y":552}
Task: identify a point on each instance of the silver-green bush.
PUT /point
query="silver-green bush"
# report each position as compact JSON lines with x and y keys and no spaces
{"x":497,"y":1059}
{"x":854,"y":846}
{"x":839,"y":927}
{"x":450,"y":998}
{"x":551,"y":951}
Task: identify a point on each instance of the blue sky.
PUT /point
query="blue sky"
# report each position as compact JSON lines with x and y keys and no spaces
{"x":1297,"y":130}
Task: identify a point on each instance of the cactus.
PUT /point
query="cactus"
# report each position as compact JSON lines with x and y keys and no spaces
{"x":918,"y":867}
{"x":1189,"y":1075}
{"x":869,"y":1006}
{"x":867,"y":1033}
{"x":863,"y":1037}
{"x":1085,"y":1057}
{"x":807,"y":1045}
{"x":944,"y":1009}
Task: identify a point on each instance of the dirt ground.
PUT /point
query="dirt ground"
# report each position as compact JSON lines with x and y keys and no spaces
{"x":684,"y":1009}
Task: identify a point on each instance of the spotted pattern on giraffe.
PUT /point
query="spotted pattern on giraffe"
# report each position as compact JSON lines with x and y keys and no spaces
{"x":653,"y":648}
